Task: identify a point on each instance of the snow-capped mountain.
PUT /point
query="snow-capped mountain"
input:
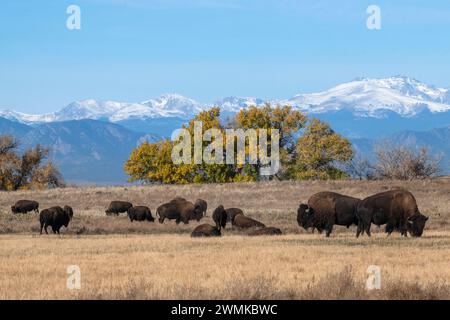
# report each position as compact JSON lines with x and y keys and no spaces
{"x":373,"y":97}
{"x":364,"y":97}
{"x":169,"y":105}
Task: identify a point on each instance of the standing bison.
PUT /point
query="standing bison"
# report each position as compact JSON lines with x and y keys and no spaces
{"x":243,"y":222}
{"x":140,"y":213}
{"x":25,"y":206}
{"x":325,"y":209}
{"x":56,"y":217}
{"x":179,"y":210}
{"x":220,"y":217}
{"x":206,"y":230}
{"x":116,"y":207}
{"x":395,"y":208}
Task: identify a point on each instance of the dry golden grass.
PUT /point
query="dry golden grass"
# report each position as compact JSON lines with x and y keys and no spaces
{"x":120,"y":259}
{"x":231,"y":267}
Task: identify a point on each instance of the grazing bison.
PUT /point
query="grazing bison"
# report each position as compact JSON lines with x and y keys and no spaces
{"x":201,"y":205}
{"x":180,"y":210}
{"x":24,"y":206}
{"x":326,"y":209}
{"x":56,"y":217}
{"x":140,"y":213}
{"x":116,"y":207}
{"x":220,"y":217}
{"x":206,"y":230}
{"x":269,"y":231}
{"x":232,"y":212}
{"x":244,"y":222}
{"x":395,"y":208}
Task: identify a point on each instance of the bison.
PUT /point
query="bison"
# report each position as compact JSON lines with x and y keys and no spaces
{"x":25,"y":206}
{"x":220,"y":217}
{"x":116,"y":207}
{"x":269,"y":231}
{"x":56,"y":217}
{"x":180,"y":210}
{"x":326,"y":209}
{"x":244,"y":222}
{"x":395,"y":208}
{"x":232,"y":212}
{"x":206,"y":230}
{"x":201,"y":205}
{"x":140,"y":213}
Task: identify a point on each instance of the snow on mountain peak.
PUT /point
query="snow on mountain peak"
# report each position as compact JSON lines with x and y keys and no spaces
{"x":363,"y":96}
{"x":403,"y":95}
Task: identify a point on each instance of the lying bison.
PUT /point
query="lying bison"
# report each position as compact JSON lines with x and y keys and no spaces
{"x":140,"y":213}
{"x":179,"y":210}
{"x":268,"y":231}
{"x":395,"y":208}
{"x":206,"y":230}
{"x":25,"y":206}
{"x":220,"y":217}
{"x":232,"y":212}
{"x":116,"y":207}
{"x":201,"y":205}
{"x":326,"y":209}
{"x":56,"y":217}
{"x":244,"y":222}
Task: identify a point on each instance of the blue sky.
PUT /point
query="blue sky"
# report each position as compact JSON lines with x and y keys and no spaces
{"x":208,"y":49}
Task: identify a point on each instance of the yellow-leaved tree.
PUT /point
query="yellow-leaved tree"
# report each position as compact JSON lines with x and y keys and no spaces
{"x":283,"y":118}
{"x":320,"y":151}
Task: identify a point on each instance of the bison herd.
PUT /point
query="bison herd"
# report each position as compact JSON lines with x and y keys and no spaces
{"x":396,"y":209}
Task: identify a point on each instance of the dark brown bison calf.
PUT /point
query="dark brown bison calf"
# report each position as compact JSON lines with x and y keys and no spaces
{"x":25,"y":206}
{"x":116,"y":207}
{"x":140,"y":213}
{"x":206,"y":230}
{"x":55,"y":217}
{"x":244,"y":222}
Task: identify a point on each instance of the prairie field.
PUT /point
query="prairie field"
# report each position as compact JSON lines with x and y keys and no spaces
{"x":141,"y":260}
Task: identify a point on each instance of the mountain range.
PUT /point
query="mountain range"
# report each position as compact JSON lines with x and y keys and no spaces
{"x":90,"y":136}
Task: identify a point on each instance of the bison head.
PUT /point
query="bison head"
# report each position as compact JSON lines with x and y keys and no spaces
{"x":416,"y":224}
{"x":13,"y":209}
{"x":150,"y":218}
{"x":305,"y":216}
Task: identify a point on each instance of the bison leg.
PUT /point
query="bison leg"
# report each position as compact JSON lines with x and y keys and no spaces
{"x":42,"y":226}
{"x":329,"y":229}
{"x":359,"y":229}
{"x":367,"y":229}
{"x":45,"y":228}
